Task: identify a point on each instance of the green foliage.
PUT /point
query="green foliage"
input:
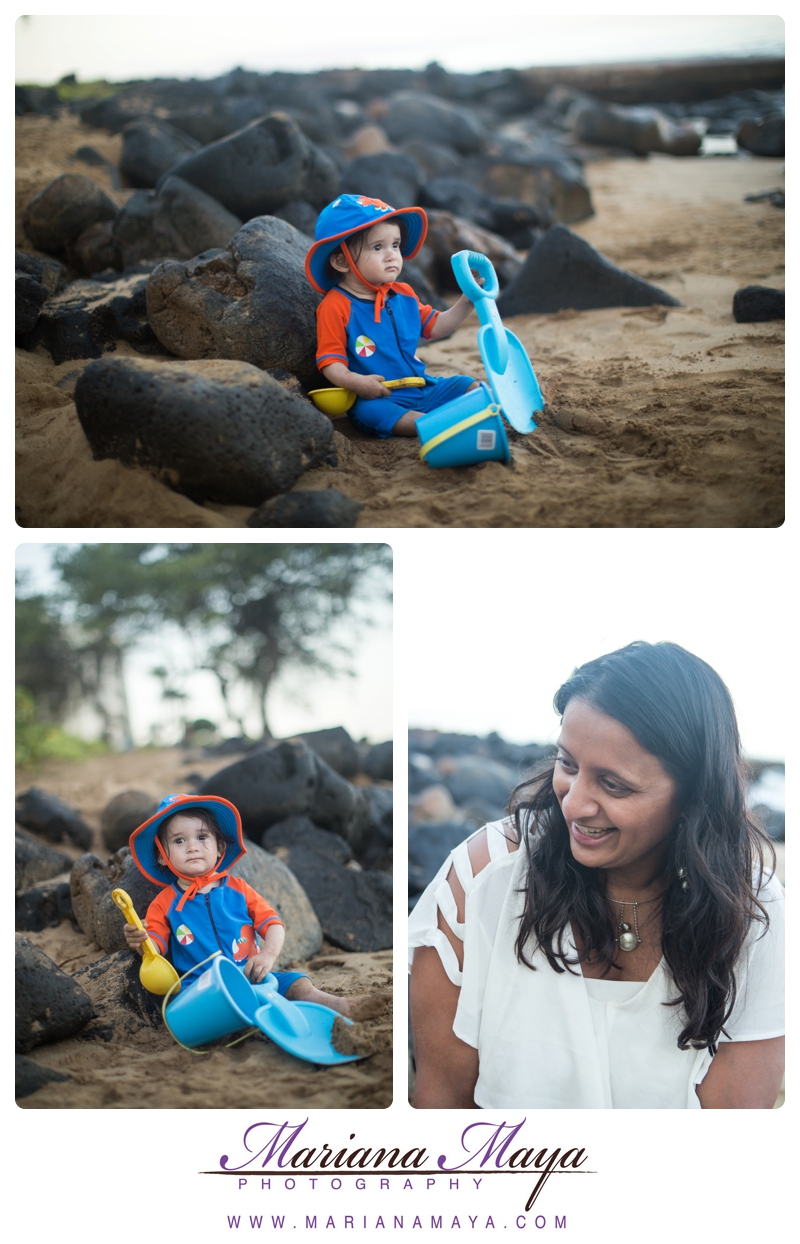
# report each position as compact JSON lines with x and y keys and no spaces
{"x":37,"y":741}
{"x":45,"y":658}
{"x":75,"y":92}
{"x":72,"y":92}
{"x":252,"y":609}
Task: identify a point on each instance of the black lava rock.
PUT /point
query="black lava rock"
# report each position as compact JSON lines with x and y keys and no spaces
{"x":766,"y":137}
{"x":95,"y":912}
{"x":60,"y":213}
{"x":261,"y":167}
{"x":88,"y":155}
{"x":517,"y":221}
{"x":415,"y":115}
{"x":175,"y":222}
{"x":250,"y":302}
{"x":123,"y":814}
{"x":291,"y":780}
{"x":335,"y":747}
{"x":376,"y":850}
{"x":122,"y":1005}
{"x":34,"y":862}
{"x":214,"y":430}
{"x":354,"y":907}
{"x":35,"y":280}
{"x":758,"y":302}
{"x":42,"y":906}
{"x":89,"y":317}
{"x":393,"y":178}
{"x":428,"y":847}
{"x":378,"y":762}
{"x":29,"y":297}
{"x":47,"y":272}
{"x":49,"y":1004}
{"x":563,"y":271}
{"x":48,"y":815}
{"x":326,"y":507}
{"x":30,"y":1076}
{"x":95,"y":250}
{"x":151,"y":148}
{"x":300,"y":214}
{"x":482,"y":778}
{"x":268,"y":786}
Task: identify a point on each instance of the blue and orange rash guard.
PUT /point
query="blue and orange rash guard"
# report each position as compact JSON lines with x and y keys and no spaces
{"x":227,"y":918}
{"x":347,"y":333}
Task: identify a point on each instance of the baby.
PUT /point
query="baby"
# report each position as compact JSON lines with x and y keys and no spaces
{"x":202,"y":909}
{"x":369,"y":323}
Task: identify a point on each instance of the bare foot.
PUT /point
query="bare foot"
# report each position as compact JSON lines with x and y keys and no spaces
{"x":364,"y":1006}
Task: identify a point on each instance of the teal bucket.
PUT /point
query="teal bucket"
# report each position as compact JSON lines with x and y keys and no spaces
{"x":465,"y":431}
{"x":220,"y":1002}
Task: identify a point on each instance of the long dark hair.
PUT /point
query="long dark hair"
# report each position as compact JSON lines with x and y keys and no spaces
{"x":681,"y":712}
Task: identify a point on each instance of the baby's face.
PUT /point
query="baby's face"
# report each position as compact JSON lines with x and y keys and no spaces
{"x":380,"y":259}
{"x":191,"y":846}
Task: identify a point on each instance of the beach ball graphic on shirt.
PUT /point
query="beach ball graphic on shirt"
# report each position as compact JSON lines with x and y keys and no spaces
{"x":244,"y":945}
{"x":365,"y":346}
{"x":184,"y":935}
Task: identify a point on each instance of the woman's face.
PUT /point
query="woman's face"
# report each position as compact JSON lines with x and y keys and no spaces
{"x":617,"y":799}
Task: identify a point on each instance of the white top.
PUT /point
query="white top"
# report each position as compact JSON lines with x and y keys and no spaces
{"x":562,"y":1041}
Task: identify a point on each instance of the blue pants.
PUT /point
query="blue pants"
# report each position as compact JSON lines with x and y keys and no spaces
{"x":286,"y":980}
{"x":378,"y":415}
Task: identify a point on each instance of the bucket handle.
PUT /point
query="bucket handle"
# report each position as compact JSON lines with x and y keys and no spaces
{"x":250,"y":1031}
{"x":441,"y":437}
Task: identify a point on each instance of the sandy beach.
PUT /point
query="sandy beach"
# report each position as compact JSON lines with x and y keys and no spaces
{"x":656,"y":417}
{"x":146,"y":1069}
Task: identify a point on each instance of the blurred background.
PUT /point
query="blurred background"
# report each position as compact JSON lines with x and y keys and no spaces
{"x":128,"y":645}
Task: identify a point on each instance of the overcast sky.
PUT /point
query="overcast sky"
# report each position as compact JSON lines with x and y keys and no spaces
{"x":505,"y":617}
{"x":315,"y":35}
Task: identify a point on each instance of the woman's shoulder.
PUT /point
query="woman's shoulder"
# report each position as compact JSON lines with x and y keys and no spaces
{"x":497,"y":843}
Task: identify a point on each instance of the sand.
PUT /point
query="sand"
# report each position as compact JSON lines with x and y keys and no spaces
{"x":657,"y":417}
{"x":148,"y":1070}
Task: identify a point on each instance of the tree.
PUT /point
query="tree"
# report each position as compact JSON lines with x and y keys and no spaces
{"x":46,"y":665}
{"x":252,"y":609}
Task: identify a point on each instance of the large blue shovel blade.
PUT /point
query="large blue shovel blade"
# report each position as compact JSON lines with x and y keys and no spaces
{"x":515,"y":388}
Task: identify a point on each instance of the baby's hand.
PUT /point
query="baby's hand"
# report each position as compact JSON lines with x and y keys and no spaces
{"x":371,"y":387}
{"x":134,"y":936}
{"x":259,"y":966}
{"x":478,"y":279}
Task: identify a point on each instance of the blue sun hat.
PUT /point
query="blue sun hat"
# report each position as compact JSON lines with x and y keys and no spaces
{"x":351,"y":213}
{"x":146,"y":850}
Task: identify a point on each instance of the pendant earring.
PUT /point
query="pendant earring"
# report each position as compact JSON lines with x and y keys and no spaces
{"x":683,"y":880}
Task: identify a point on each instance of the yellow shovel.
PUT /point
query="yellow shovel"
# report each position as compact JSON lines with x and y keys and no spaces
{"x":337,"y":401}
{"x":156,"y":973}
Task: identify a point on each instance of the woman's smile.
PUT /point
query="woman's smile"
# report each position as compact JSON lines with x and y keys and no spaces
{"x":592,"y":836}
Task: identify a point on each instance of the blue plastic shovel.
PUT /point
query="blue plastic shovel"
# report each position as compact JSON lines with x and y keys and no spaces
{"x":301,"y":1028}
{"x":508,"y":368}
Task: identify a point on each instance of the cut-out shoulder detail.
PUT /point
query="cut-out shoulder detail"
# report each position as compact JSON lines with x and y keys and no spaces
{"x":458,"y":893}
{"x":438,"y":919}
{"x":483,"y":849}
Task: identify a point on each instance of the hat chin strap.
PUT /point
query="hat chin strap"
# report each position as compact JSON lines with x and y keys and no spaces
{"x":195,"y":883}
{"x":380,"y":291}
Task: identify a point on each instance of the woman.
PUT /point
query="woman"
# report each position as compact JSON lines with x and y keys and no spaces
{"x":617,"y":942}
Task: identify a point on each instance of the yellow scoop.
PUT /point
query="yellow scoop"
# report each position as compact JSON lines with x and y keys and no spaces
{"x":338,"y":401}
{"x":156,"y":973}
